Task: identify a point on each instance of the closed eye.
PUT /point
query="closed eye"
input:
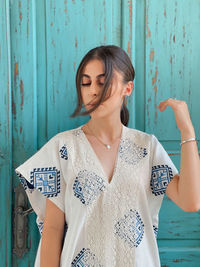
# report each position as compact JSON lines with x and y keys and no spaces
{"x":87,"y":84}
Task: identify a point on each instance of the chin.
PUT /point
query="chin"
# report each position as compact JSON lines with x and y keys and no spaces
{"x":100,"y":114}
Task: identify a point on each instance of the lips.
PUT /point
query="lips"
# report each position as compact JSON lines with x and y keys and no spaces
{"x":92,"y":104}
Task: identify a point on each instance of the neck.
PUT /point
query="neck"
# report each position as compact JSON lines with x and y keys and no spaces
{"x":108,"y":131}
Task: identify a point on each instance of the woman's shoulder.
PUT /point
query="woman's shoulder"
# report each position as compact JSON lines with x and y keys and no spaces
{"x":139,"y":135}
{"x":67,"y":135}
{"x":64,"y":140}
{"x":69,"y":132}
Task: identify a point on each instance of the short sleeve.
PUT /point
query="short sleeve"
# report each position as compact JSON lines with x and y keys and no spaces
{"x":162,"y":168}
{"x":42,"y":178}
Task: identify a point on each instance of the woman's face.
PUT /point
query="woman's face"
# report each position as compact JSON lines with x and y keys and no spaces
{"x":92,"y":87}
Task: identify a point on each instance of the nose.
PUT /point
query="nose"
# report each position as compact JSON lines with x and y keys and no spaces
{"x":94,"y":90}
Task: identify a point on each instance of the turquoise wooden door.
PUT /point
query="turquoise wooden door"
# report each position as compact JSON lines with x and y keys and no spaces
{"x":41,"y":45}
{"x":170,"y":68}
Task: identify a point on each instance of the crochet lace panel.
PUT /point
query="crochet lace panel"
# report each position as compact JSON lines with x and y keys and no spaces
{"x":114,"y":228}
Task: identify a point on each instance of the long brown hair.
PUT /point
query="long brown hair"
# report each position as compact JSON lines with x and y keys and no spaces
{"x":114,"y":58}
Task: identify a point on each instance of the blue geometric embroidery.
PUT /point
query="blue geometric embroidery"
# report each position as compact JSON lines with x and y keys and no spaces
{"x":46,"y":180}
{"x":24,"y":182}
{"x":160,"y":177}
{"x":87,"y":186}
{"x":86,"y":258}
{"x":155,"y":230}
{"x":130,"y":228}
{"x":130,"y":152}
{"x":63,"y":152}
{"x":40,"y":226}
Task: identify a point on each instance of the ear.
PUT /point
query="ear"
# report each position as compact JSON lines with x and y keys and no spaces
{"x":128,"y":88}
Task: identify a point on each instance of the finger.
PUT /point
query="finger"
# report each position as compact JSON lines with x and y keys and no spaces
{"x":170,"y":101}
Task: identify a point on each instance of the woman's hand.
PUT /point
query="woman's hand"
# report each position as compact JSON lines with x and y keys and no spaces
{"x":188,"y":183}
{"x":182,"y":116}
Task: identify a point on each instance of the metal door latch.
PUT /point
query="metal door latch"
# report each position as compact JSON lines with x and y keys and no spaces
{"x":20,"y":221}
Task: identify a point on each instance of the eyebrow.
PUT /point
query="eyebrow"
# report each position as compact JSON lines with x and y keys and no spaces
{"x":88,"y":76}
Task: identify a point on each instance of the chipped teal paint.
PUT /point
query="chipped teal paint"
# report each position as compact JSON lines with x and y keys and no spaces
{"x":172,"y":62}
{"x":45,"y":41}
{"x":171,"y":69}
{"x":5,"y":136}
{"x":47,"y":44}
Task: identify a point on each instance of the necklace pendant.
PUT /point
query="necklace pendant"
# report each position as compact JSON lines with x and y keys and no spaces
{"x":108,"y":146}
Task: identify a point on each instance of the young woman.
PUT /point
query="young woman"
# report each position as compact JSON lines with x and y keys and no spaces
{"x":100,"y":186}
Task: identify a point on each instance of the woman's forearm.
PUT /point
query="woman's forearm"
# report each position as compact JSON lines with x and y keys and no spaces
{"x":51,"y":247}
{"x":189,"y":182}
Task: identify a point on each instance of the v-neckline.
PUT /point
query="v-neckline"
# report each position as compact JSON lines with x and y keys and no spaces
{"x":105,"y":177}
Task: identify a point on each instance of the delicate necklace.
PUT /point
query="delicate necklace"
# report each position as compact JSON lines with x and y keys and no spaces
{"x":106,"y":145}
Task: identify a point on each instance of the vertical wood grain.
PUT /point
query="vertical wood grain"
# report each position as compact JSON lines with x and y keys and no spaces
{"x":41,"y":45}
{"x":5,"y":137}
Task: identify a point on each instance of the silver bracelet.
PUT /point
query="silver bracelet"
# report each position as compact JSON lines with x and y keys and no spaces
{"x":184,"y":141}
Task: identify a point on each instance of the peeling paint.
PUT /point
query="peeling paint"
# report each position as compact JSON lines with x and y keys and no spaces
{"x":183,"y":31}
{"x":20,"y":13}
{"x":16,"y":72}
{"x":154,"y":79}
{"x":128,"y":48}
{"x":174,"y":39}
{"x":130,"y":25}
{"x":65,"y":9}
{"x":175,"y":17}
{"x":76,"y":42}
{"x":53,"y":43}
{"x":170,"y":59}
{"x":22,"y":94}
{"x":179,"y":260}
{"x":155,"y":89}
{"x":152,"y":53}
{"x":147,"y":24}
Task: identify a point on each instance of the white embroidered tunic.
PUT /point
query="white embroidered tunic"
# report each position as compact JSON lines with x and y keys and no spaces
{"x":106,"y":224}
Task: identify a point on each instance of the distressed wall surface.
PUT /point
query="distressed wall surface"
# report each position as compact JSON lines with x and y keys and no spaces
{"x":41,"y":45}
{"x":170,"y":68}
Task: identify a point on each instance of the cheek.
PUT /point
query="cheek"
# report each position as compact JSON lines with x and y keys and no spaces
{"x":114,"y":99}
{"x":84,"y":96}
